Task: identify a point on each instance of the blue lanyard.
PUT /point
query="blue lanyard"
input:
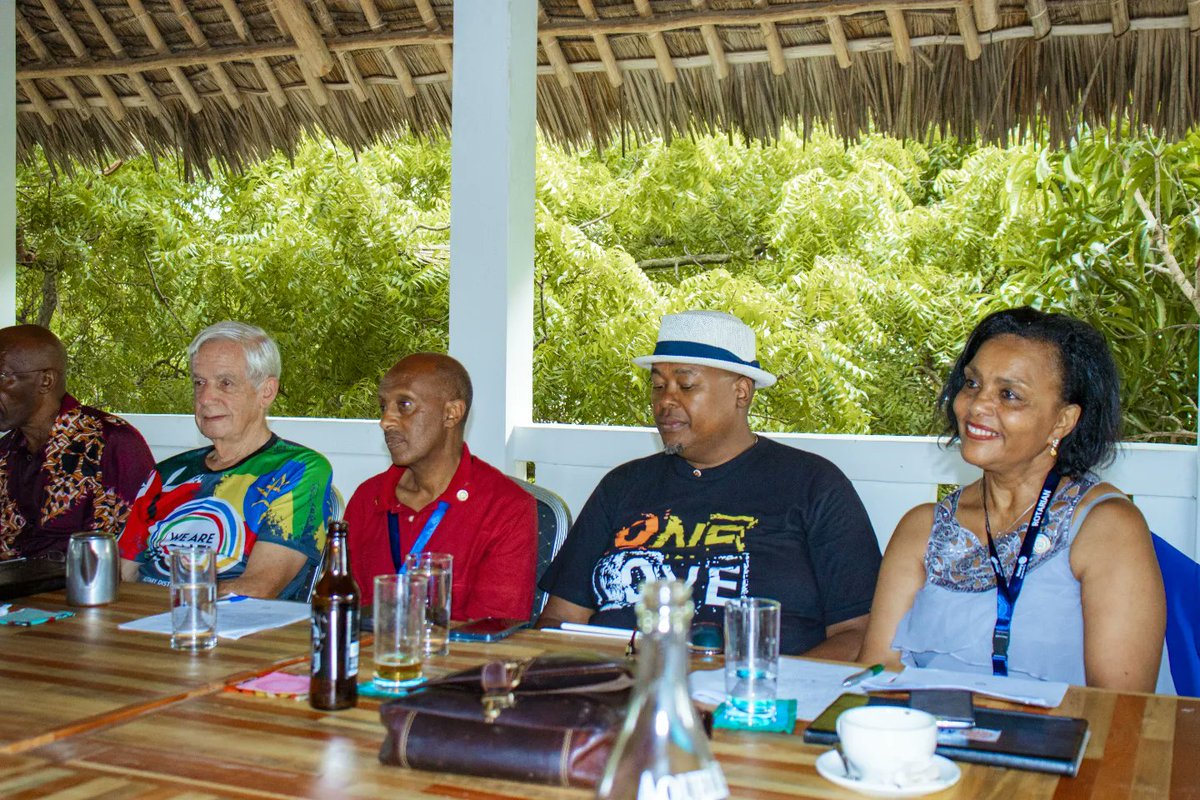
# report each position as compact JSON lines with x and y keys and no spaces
{"x":418,"y":547}
{"x":1008,"y":591}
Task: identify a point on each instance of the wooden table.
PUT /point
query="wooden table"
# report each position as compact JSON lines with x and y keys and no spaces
{"x":71,"y":675}
{"x":192,"y":739}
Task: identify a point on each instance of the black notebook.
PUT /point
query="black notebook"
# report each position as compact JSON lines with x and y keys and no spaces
{"x":1018,"y":739}
{"x":23,"y":577}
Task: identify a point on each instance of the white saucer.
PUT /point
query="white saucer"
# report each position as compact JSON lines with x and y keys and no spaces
{"x":830,"y":767}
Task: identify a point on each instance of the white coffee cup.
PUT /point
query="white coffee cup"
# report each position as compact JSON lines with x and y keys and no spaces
{"x":889,"y":745}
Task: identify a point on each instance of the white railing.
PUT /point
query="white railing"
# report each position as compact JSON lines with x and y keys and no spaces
{"x":891,"y":473}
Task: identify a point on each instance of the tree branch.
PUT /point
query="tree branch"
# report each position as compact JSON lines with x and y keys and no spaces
{"x":600,"y":218}
{"x":161,"y":296}
{"x":1171,"y":266}
{"x":682,"y":261}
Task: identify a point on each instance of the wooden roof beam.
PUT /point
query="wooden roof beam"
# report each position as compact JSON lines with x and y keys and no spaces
{"x":554,"y":53}
{"x":230,"y":90}
{"x":265,"y":73}
{"x":43,"y":53}
{"x":899,"y":30}
{"x":646,"y":24}
{"x":712,"y":43}
{"x":349,"y":65}
{"x":150,"y":28}
{"x":1039,"y":18}
{"x":970,"y":34}
{"x":114,"y":45}
{"x":390,"y":54}
{"x":115,"y":106}
{"x":315,"y":57}
{"x":604,"y":49}
{"x":987,"y":14}
{"x":657,"y":44}
{"x":1120,"y":17}
{"x":39,"y":101}
{"x":316,"y":87}
{"x":75,"y":69}
{"x":837,"y":38}
{"x":771,"y":39}
{"x":430,"y":18}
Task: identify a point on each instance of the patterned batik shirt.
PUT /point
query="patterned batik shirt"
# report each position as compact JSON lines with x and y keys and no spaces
{"x":84,"y":478}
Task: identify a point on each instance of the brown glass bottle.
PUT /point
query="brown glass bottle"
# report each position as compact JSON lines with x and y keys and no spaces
{"x":335,"y":602}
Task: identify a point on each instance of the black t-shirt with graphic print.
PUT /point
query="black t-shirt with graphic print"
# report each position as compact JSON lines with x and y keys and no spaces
{"x":774,"y":522}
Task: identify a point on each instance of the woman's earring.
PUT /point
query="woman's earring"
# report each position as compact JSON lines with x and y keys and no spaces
{"x":1054,"y":448}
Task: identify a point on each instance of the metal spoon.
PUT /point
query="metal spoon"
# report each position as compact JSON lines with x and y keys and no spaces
{"x":847,"y":766}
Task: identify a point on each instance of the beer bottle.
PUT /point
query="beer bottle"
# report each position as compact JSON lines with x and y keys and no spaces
{"x":335,"y":602}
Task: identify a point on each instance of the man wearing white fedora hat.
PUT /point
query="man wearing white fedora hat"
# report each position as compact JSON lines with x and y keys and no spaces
{"x":733,"y":514}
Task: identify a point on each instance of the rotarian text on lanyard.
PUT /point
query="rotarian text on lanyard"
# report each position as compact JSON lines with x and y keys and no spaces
{"x":1007,"y":591}
{"x":426,"y":534}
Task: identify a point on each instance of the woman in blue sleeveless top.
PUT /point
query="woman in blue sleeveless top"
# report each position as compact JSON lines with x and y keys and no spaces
{"x":1038,"y":569}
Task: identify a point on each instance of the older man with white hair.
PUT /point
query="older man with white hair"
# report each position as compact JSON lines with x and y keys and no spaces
{"x":259,"y":501}
{"x":731,"y":513}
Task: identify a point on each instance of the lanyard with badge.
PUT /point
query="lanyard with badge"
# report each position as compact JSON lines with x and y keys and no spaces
{"x":1008,"y":591}
{"x":426,"y":534}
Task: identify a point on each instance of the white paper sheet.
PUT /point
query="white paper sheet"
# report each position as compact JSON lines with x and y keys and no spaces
{"x":236,"y":617}
{"x":594,"y":630}
{"x":1046,"y":694}
{"x":812,"y":684}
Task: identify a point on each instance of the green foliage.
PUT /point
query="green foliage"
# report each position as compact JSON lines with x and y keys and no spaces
{"x":862,"y":268}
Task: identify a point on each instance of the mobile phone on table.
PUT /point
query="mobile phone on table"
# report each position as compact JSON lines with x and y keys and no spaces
{"x":488,"y":629}
{"x":953,"y":708}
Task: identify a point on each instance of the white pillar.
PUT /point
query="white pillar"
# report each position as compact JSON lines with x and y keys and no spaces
{"x":8,"y":162}
{"x":491,"y":215}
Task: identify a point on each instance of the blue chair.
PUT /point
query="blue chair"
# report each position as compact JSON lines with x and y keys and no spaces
{"x":1181,"y":579}
{"x":553,"y":521}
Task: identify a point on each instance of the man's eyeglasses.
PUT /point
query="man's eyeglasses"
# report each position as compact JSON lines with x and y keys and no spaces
{"x":8,"y":375}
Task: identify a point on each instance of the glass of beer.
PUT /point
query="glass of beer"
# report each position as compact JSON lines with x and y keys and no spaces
{"x":399,"y":614}
{"x":193,"y":598}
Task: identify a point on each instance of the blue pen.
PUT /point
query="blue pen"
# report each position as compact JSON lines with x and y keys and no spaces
{"x":234,"y":598}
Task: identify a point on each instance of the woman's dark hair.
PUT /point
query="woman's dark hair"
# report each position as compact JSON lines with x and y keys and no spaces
{"x":1089,"y":380}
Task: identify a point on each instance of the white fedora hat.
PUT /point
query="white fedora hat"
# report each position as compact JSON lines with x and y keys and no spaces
{"x":711,"y":339}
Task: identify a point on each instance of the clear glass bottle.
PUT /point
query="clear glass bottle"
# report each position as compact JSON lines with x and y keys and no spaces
{"x":662,"y":751}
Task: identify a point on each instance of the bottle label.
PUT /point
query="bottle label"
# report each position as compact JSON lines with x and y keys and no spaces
{"x":335,"y":643}
{"x":318,"y":644}
{"x":352,"y":669}
{"x":702,"y":784}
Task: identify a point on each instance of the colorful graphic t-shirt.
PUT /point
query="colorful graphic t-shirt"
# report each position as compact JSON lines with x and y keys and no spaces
{"x":774,"y":522}
{"x":282,"y":493}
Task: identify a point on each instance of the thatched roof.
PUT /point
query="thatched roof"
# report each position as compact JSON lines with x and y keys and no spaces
{"x":232,"y":79}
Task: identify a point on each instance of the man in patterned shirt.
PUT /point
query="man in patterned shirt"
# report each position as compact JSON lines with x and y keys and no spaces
{"x":64,"y":467}
{"x":259,"y":501}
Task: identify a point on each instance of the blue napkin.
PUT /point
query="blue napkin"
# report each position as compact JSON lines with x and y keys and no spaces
{"x":783,"y":720}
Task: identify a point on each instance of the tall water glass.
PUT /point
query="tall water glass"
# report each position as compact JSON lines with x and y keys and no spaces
{"x":438,"y":568}
{"x":193,"y":598}
{"x":399,"y":617}
{"x":751,"y":654}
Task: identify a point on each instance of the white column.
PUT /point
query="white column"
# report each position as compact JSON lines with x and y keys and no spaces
{"x":8,"y":162}
{"x":491,"y":215}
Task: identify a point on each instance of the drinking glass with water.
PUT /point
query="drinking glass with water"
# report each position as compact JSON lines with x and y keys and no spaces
{"x":193,"y":598}
{"x":752,"y":655}
{"x":438,"y":569}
